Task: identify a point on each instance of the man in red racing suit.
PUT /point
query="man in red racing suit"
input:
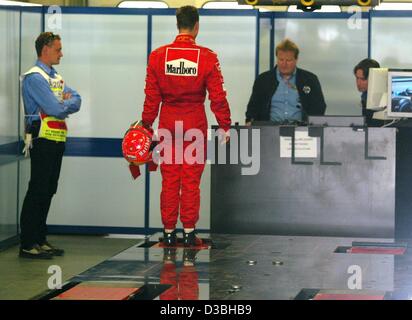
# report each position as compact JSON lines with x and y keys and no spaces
{"x":178,"y":75}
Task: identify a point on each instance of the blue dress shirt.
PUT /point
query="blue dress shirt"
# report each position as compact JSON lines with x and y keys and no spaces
{"x":37,"y":96}
{"x":285,"y":104}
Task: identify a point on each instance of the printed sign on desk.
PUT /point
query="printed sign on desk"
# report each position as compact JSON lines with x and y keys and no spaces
{"x":305,"y":146}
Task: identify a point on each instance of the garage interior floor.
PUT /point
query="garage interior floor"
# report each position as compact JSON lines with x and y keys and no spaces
{"x":224,"y":267}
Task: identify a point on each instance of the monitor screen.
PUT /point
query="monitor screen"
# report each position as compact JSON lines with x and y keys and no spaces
{"x":400,"y":98}
{"x":377,"y":98}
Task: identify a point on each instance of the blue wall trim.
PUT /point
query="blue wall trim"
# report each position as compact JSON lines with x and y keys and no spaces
{"x":107,"y":10}
{"x":369,"y":36}
{"x":10,"y":152}
{"x":147,"y":198}
{"x":149,"y":36}
{"x":391,"y":13}
{"x":19,"y":129}
{"x":7,"y":243}
{"x":265,"y":15}
{"x":43,"y":19}
{"x":147,"y":174}
{"x":272,"y":43}
{"x":59,"y":229}
{"x":316,"y":15}
{"x":31,"y":9}
{"x":168,"y":12}
{"x":257,"y":45}
{"x":94,"y":147}
{"x":21,"y":9}
{"x":75,"y":147}
{"x":8,"y":149}
{"x":10,"y":8}
{"x":228,"y":12}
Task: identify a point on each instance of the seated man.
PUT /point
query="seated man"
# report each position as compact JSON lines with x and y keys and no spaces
{"x":285,"y":94}
{"x":361,"y":72}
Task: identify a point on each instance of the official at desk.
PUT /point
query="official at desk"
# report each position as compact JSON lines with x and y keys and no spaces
{"x":286,"y":94}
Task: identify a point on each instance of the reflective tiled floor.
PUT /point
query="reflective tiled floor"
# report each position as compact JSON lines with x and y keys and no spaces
{"x":23,"y":279}
{"x":244,"y":267}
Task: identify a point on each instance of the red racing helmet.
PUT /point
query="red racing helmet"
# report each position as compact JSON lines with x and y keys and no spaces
{"x":136,"y":145}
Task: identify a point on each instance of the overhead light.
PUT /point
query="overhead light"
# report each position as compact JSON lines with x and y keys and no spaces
{"x":393,"y":6}
{"x":18,"y":3}
{"x":322,"y":9}
{"x":142,"y":4}
{"x":225,"y":5}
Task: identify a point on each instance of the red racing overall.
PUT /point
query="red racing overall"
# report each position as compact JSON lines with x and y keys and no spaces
{"x":178,"y":76}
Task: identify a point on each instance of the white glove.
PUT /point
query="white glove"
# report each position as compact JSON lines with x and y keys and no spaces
{"x":28,"y":144}
{"x":224,"y":138}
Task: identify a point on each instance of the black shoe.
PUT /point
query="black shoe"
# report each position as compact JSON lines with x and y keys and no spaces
{"x":169,"y":239}
{"x":47,"y":247}
{"x":169,"y":255}
{"x":35,"y":252}
{"x":189,"y":257}
{"x":189,"y":239}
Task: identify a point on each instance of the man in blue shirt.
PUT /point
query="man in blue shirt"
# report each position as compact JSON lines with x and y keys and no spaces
{"x":286,"y":94}
{"x":47,"y":103}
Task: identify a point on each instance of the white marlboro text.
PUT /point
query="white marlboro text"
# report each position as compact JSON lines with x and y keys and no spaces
{"x":182,"y":62}
{"x":171,"y":68}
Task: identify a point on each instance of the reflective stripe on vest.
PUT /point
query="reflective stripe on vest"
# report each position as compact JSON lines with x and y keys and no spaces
{"x":52,"y":128}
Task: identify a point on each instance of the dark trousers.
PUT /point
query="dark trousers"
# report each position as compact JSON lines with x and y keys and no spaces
{"x":45,"y":160}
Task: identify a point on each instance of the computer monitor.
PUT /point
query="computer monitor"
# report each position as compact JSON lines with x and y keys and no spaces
{"x":400,"y":97}
{"x":377,"y":98}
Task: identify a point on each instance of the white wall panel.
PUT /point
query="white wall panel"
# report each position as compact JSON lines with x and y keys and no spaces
{"x":236,"y":49}
{"x":105,"y":61}
{"x":264,"y":44}
{"x":9,"y":75}
{"x":330,"y":48}
{"x":98,"y":192}
{"x":30,"y":30}
{"x":9,"y":97}
{"x":388,"y":45}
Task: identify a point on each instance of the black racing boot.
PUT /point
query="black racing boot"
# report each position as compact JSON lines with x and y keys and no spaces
{"x":189,"y":239}
{"x":169,"y":239}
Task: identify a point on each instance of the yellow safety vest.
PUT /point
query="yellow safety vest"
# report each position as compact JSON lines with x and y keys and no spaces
{"x":52,"y":128}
